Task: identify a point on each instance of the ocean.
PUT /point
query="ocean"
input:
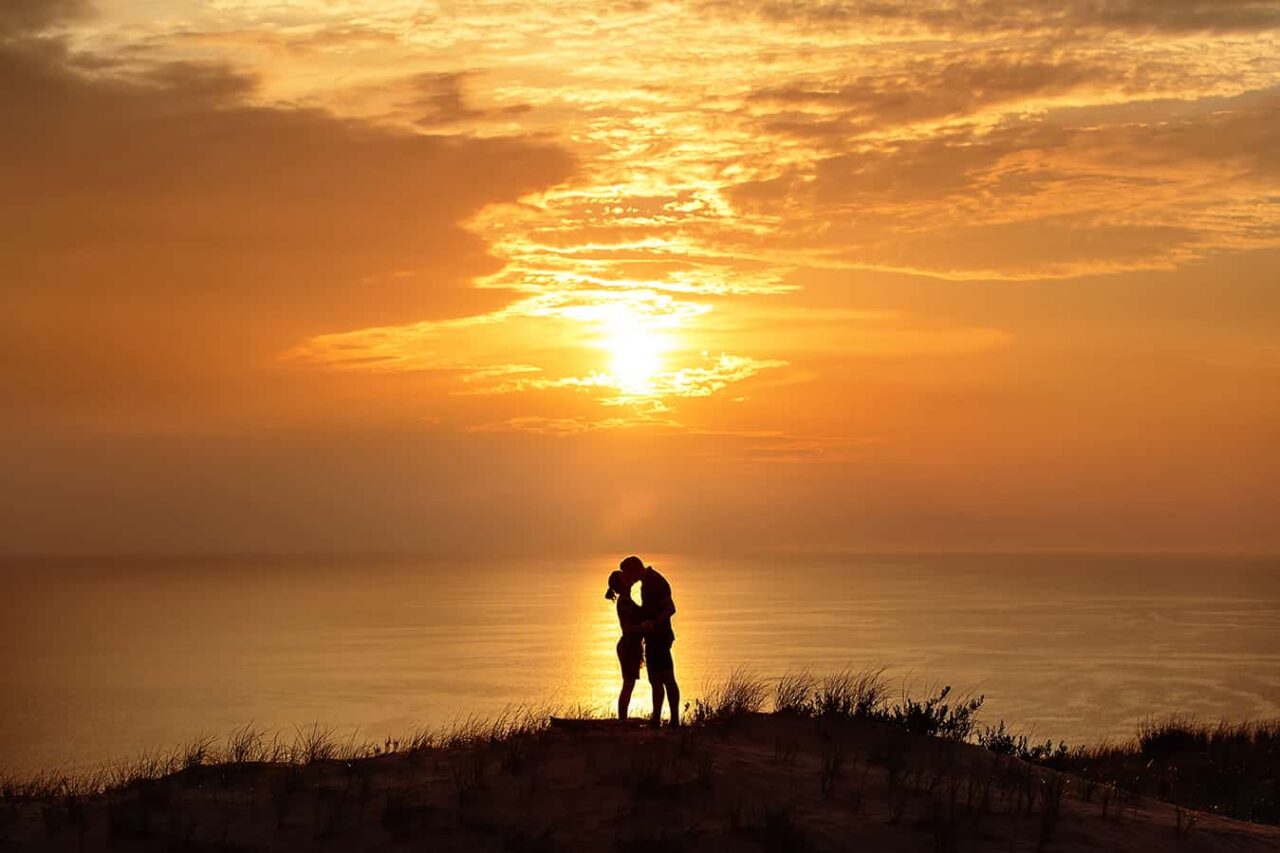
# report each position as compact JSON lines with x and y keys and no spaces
{"x":108,"y":658}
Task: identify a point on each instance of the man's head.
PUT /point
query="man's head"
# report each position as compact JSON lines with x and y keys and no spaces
{"x":632,"y":567}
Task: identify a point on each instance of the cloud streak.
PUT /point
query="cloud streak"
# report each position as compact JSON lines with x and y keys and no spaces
{"x":165,"y":229}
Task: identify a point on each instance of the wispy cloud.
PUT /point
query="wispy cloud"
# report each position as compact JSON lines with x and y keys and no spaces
{"x":715,"y":374}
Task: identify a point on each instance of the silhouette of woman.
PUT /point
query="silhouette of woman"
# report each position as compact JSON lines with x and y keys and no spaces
{"x":630,"y":648}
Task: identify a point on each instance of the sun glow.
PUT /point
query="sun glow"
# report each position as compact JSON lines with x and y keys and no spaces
{"x":636,"y":356}
{"x":636,"y":343}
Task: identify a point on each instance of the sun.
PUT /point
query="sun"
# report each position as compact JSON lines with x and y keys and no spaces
{"x":637,"y":342}
{"x":636,"y":357}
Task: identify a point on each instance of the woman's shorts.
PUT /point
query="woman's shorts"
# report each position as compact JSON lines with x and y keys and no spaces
{"x":630,"y":654}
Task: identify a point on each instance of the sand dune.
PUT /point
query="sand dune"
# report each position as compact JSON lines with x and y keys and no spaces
{"x":756,"y":782}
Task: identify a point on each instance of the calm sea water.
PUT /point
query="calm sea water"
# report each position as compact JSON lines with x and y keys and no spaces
{"x":106,"y":659}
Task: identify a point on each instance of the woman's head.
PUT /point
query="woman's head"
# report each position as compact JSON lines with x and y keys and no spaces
{"x":618,"y":585}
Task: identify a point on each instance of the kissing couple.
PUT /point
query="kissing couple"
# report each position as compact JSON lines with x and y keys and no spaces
{"x":646,"y":636}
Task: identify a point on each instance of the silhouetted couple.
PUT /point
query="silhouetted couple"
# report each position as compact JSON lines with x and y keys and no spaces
{"x":646,"y":636}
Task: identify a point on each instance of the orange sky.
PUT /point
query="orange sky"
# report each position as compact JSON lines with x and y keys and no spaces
{"x":773,"y":274}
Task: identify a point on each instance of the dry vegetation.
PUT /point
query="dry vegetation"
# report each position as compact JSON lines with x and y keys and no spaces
{"x":1226,"y":768}
{"x":843,"y":761}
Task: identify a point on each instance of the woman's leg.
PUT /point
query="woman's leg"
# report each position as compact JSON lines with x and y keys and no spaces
{"x":673,"y":696}
{"x":624,"y":698}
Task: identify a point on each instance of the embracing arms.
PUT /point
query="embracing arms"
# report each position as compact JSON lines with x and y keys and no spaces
{"x":662,"y":616}
{"x":629,"y":628}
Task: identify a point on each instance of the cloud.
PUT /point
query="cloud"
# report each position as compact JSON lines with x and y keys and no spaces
{"x":438,"y":100}
{"x":931,"y":88}
{"x":1071,"y":193}
{"x":702,"y":380}
{"x":993,"y":16}
{"x":161,"y":232}
{"x":19,"y":17}
{"x":699,"y":381}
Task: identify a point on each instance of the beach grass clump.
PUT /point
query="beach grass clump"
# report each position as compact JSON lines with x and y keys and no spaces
{"x":856,"y":695}
{"x":846,"y":693}
{"x":249,"y":745}
{"x":794,"y":693}
{"x":315,"y":743}
{"x":1163,"y":736}
{"x":864,"y":695}
{"x":199,"y":751}
{"x":740,"y":694}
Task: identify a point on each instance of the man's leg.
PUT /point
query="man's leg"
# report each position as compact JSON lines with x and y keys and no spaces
{"x":624,"y":698}
{"x":658,"y":691}
{"x":673,"y":696}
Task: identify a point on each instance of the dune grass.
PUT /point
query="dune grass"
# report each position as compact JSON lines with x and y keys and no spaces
{"x":865,"y":695}
{"x":247,"y":745}
{"x":741,"y":693}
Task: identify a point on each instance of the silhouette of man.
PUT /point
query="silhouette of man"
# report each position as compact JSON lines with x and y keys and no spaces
{"x":656,"y":608}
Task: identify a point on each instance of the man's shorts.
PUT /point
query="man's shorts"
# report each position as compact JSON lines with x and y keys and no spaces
{"x":657,"y":653}
{"x":630,"y":655}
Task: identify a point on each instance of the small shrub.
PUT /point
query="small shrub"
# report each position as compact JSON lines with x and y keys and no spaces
{"x":1002,"y":741}
{"x":936,"y":717}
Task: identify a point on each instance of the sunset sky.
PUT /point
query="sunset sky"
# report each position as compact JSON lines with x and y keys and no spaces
{"x":560,"y":276}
